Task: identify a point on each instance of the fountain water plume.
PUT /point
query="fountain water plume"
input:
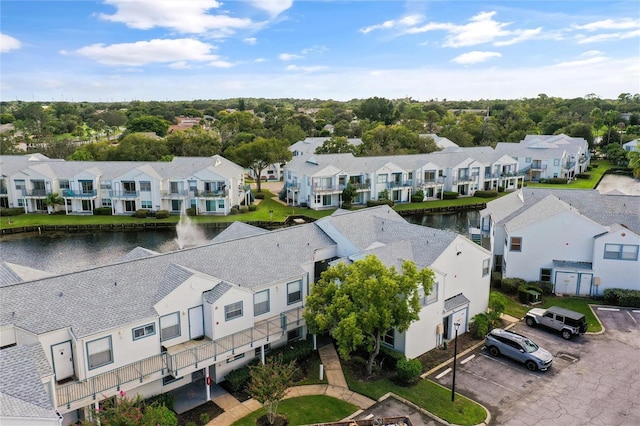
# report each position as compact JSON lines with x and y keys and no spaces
{"x":188,"y":234}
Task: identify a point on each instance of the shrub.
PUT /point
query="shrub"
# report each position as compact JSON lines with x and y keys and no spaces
{"x":299,"y":350}
{"x":409,"y":370}
{"x":583,"y":176}
{"x":546,"y":286}
{"x":13,"y":211}
{"x":253,"y":207}
{"x":237,"y":379}
{"x":259,"y":196}
{"x":141,"y":214}
{"x":418,"y":196}
{"x":496,"y":279}
{"x":234,"y":210}
{"x":102,"y":211}
{"x":165,"y":399}
{"x":373,"y":203}
{"x":191,"y":211}
{"x":501,"y":189}
{"x":204,"y":418}
{"x":162,"y":214}
{"x":594,"y":166}
{"x":244,"y":209}
{"x":389,"y":358}
{"x":346,"y":206}
{"x":523,"y":292}
{"x":510,"y":285}
{"x":556,"y":181}
{"x":486,"y":194}
{"x":622,"y":297}
{"x":450,"y":195}
{"x":479,"y":326}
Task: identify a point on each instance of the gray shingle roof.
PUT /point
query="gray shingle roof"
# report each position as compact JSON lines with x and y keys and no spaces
{"x":217,"y":292}
{"x":237,"y":230}
{"x":455,"y":302}
{"x":137,"y":253}
{"x":572,"y":264}
{"x":601,"y":208}
{"x":22,"y":393}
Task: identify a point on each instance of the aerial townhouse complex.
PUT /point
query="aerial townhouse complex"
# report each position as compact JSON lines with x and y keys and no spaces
{"x":210,"y":185}
{"x":317,"y":180}
{"x":152,"y":322}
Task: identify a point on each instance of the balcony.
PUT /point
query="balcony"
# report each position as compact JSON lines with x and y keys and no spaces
{"x":464,"y":179}
{"x":570,"y":165}
{"x":124,"y":194}
{"x":537,"y":165}
{"x":401,"y":184}
{"x":325,"y":189}
{"x":209,"y":194}
{"x":186,"y":355}
{"x":3,"y":190}
{"x":174,"y":194}
{"x":35,"y":193}
{"x":83,"y":193}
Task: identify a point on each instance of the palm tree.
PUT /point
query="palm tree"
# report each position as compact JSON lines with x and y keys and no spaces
{"x":53,"y":199}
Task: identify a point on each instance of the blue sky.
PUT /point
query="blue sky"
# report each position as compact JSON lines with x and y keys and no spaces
{"x":122,"y":50}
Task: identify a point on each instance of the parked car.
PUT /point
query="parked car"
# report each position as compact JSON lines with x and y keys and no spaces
{"x":567,"y":322}
{"x":519,"y":348}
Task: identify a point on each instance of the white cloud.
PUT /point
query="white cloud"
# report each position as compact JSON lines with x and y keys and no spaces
{"x":220,"y":64}
{"x":259,"y":60}
{"x":306,"y":68}
{"x":581,"y":63}
{"x":610,"y":24}
{"x":289,"y":56}
{"x":272,"y":7}
{"x":591,"y":53}
{"x":251,"y":40}
{"x":146,"y":52}
{"x":404,"y":22}
{"x":8,"y":43}
{"x":185,"y":17}
{"x":519,"y":37}
{"x":608,"y":37}
{"x":482,"y":28}
{"x":475,"y":57}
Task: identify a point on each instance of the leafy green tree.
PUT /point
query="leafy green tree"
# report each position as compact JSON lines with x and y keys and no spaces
{"x":269,"y":383}
{"x":194,"y":142}
{"x":634,"y":161}
{"x":148,"y":123}
{"x":293,"y":133}
{"x":378,"y":109}
{"x":6,"y":117}
{"x":139,"y":147}
{"x":53,"y":199}
{"x":342,"y":128}
{"x":336,"y":145}
{"x":432,"y":118}
{"x":616,"y":154}
{"x":348,"y":194}
{"x":610,"y":120}
{"x":359,"y":303}
{"x":123,"y":411}
{"x":259,"y":154}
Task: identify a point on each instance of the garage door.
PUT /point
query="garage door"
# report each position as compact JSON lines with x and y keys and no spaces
{"x":566,"y":283}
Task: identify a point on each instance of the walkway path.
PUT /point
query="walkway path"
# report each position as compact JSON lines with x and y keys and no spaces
{"x":336,"y":387}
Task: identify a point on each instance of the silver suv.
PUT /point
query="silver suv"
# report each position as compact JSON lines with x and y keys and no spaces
{"x":568,"y":323}
{"x":518,"y":347}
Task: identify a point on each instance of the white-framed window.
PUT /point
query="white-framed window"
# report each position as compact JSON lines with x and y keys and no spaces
{"x":382,"y":178}
{"x":145,"y":186}
{"x":144,"y":331}
{"x":527,"y":160}
{"x":389,"y":339}
{"x":21,"y":202}
{"x":169,"y":326}
{"x":20,"y":184}
{"x":234,"y":310}
{"x":429,"y":298}
{"x":294,"y":292}
{"x":556,"y":161}
{"x":106,"y":202}
{"x":235,"y":358}
{"x":146,"y":204}
{"x":64,"y":183}
{"x":193,"y":185}
{"x":267,"y":349}
{"x":261,"y":302}
{"x":545,"y":274}
{"x":621,"y":251}
{"x":485,"y":267}
{"x":99,"y":352}
{"x":516,"y":244}
{"x":105,"y":184}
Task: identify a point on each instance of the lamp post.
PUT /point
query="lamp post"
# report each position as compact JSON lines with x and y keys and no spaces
{"x":442,"y":188}
{"x":455,"y":354}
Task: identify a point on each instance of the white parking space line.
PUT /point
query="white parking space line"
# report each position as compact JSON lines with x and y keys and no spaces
{"x":636,"y":312}
{"x":632,"y":318}
{"x":515,"y":367}
{"x":490,"y":381}
{"x":445,"y":372}
{"x":609,"y":309}
{"x":466,"y":360}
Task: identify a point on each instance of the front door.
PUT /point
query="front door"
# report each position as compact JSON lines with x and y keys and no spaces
{"x":585,"y":284}
{"x":62,"y":360}
{"x":196,"y":322}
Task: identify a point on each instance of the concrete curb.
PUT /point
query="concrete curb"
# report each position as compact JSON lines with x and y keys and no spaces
{"x":598,"y":319}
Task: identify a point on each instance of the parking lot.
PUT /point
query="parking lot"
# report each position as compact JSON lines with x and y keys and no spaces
{"x":594,"y":379}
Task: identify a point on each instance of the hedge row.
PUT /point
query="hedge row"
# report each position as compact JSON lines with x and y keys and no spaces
{"x":622,"y":297}
{"x":373,"y":203}
{"x":13,"y":211}
{"x":486,"y":194}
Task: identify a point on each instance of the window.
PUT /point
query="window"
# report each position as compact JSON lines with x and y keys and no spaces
{"x":429,"y":298}
{"x":64,"y":183}
{"x":295,"y":334}
{"x":232,"y":311}
{"x":527,"y":160}
{"x":20,"y":184}
{"x":382,"y":178}
{"x":556,"y":161}
{"x":145,"y":186}
{"x":516,"y":244}
{"x":170,"y":379}
{"x":105,"y":184}
{"x":106,"y":202}
{"x":169,"y":326}
{"x":144,"y":331}
{"x":20,"y":202}
{"x":193,"y":185}
{"x":485,"y":267}
{"x":621,"y":251}
{"x":294,"y":292}
{"x":261,"y":302}
{"x":146,"y":204}
{"x":267,"y":348}
{"x":389,"y":338}
{"x":99,"y":352}
{"x":545,"y":275}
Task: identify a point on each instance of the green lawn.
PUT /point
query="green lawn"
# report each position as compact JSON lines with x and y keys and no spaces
{"x":425,"y":394}
{"x":578,"y":304}
{"x":306,"y":410}
{"x":596,"y":173}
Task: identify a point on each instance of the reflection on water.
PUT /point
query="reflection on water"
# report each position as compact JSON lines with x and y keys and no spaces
{"x":60,"y":253}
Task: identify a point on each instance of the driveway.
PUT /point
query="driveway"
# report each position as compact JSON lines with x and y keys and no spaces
{"x":594,"y":380}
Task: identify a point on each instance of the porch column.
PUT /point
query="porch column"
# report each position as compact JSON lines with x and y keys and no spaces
{"x":207,"y":379}
{"x":262,"y":354}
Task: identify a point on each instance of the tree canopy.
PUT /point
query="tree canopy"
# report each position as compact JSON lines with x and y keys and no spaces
{"x":259,"y":154}
{"x":359,"y":303}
